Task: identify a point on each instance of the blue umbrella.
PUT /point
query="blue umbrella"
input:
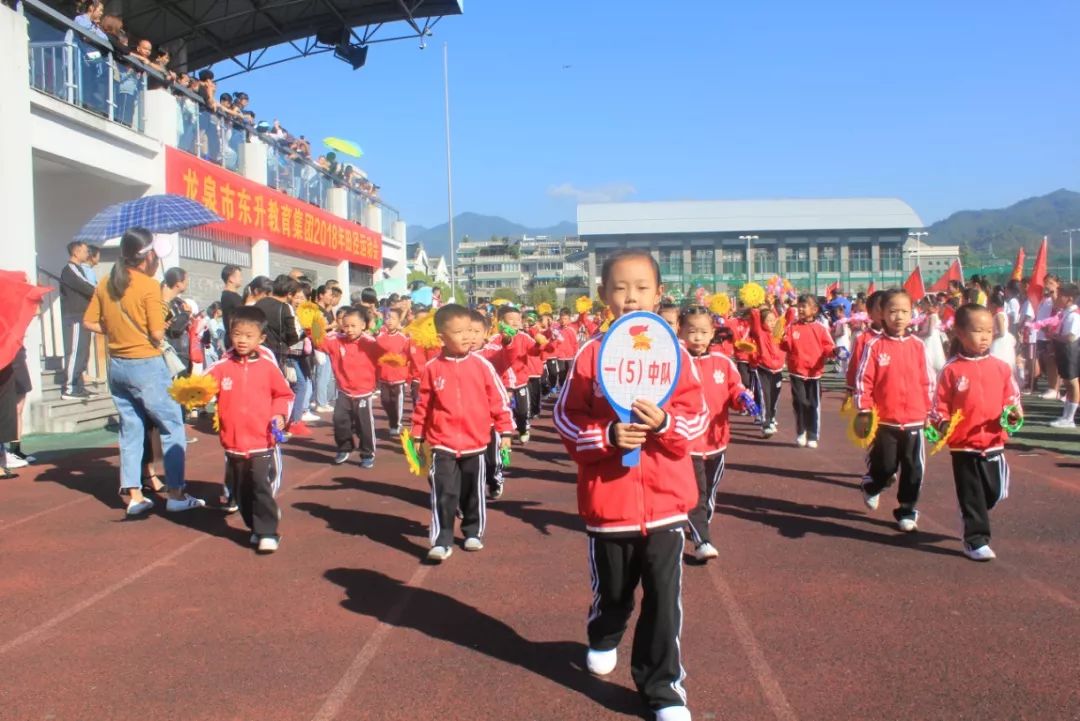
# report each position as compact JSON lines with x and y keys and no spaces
{"x":157,"y":213}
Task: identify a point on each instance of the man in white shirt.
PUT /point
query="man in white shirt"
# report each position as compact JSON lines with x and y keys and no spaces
{"x":1042,"y":339}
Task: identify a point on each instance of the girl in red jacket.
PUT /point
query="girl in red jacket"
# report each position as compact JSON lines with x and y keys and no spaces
{"x":770,"y":366}
{"x":393,"y":369}
{"x":634,"y":516}
{"x":892,"y":381}
{"x":722,"y":389}
{"x":981,"y":387}
{"x":807,"y":344}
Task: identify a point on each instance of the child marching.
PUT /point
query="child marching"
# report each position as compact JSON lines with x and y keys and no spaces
{"x":353,"y":357}
{"x":976,"y":392}
{"x":808,"y":345}
{"x":770,"y":365}
{"x":634,"y":516}
{"x":393,"y":369}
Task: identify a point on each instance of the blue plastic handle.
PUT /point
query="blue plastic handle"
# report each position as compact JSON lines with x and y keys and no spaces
{"x":749,"y":404}
{"x":630,"y":459}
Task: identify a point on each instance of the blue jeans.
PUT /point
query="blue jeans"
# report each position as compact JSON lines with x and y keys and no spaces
{"x":140,"y":390}
{"x":301,"y":389}
{"x":325,"y":388}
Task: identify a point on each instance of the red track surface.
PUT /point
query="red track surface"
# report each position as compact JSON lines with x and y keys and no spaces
{"x":816,"y":610}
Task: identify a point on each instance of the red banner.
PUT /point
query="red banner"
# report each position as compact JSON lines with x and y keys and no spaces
{"x":263,"y":213}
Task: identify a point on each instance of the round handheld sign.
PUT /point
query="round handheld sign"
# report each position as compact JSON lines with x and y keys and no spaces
{"x":640,"y":357}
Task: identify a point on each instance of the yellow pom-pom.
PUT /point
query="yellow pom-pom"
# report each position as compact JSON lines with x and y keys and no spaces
{"x":854,"y":437}
{"x":954,"y":421}
{"x":307,"y":313}
{"x":720,"y":304}
{"x":746,"y":346}
{"x":393,"y":360}
{"x":544,"y":309}
{"x":422,"y":332}
{"x":752,"y":295}
{"x":778,"y":329}
{"x":194,"y":391}
{"x":583,"y":304}
{"x":499,"y":301}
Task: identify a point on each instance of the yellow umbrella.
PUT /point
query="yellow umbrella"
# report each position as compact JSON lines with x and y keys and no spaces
{"x":344,"y":146}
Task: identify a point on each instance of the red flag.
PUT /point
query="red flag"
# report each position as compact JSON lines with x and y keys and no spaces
{"x":835,"y":285}
{"x":914,"y":285}
{"x":1038,"y":276}
{"x":1018,"y":266}
{"x":18,"y":306}
{"x":871,"y":290}
{"x":953,"y":273}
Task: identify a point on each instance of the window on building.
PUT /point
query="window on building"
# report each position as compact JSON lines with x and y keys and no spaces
{"x":828,"y":259}
{"x":702,"y":261}
{"x":733,"y":261}
{"x":671,"y":260}
{"x":765,"y":261}
{"x":860,"y":259}
{"x":797,"y":260}
{"x":891,"y":258}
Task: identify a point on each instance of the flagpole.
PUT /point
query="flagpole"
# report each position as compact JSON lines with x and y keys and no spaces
{"x":449,"y":174}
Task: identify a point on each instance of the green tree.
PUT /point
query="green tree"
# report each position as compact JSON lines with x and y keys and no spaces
{"x":505,"y":294}
{"x":542,"y":293}
{"x":444,"y":288}
{"x":418,"y":275}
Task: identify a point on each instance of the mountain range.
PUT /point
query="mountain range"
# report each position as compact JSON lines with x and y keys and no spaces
{"x":996,"y":232}
{"x":480,"y":227}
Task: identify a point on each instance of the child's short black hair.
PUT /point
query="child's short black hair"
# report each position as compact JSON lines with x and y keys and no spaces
{"x":564,"y":311}
{"x":449,"y":312}
{"x":505,"y":310}
{"x":874,"y":300}
{"x":478,"y":317}
{"x":668,"y":306}
{"x":284,"y":286}
{"x":809,"y":298}
{"x":1069,"y":290}
{"x":692,"y":310}
{"x":248,"y":314}
{"x":887,"y":295}
{"x":357,"y":310}
{"x":626,"y":254}
{"x":369,"y":295}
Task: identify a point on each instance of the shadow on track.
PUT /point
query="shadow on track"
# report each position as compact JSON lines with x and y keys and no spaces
{"x":412,"y":496}
{"x":808,"y":475}
{"x":447,"y":619}
{"x":540,"y":518}
{"x":389,"y":530}
{"x":795,"y":520}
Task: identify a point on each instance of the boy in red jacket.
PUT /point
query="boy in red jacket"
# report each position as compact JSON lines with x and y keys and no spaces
{"x":518,"y":348}
{"x":535,"y":363}
{"x":460,"y":400}
{"x":353,"y":356}
{"x":493,"y":466}
{"x":807,"y":344}
{"x":770,"y":365}
{"x":252,"y":396}
{"x":393,"y":368}
{"x":981,"y":387}
{"x":893,"y":381}
{"x":567,"y":347}
{"x":634,"y":516}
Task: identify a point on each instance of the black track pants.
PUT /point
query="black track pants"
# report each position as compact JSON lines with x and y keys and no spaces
{"x":708,"y":471}
{"x":898,"y":449}
{"x":354,"y":417}
{"x":253,"y":480}
{"x":456,"y":483}
{"x":981,"y":483}
{"x":806,"y":402}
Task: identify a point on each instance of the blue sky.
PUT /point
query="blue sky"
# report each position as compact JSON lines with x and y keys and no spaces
{"x":948,"y":104}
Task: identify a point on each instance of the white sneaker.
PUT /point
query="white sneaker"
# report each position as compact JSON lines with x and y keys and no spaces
{"x":324,"y":409}
{"x":982,"y":553}
{"x":601,"y":663}
{"x":268,"y":544}
{"x":137,"y":508}
{"x":524,"y":438}
{"x":811,"y":444}
{"x":186,"y":503}
{"x":310,"y":417}
{"x":705,"y":552}
{"x":1057,"y":423}
{"x":800,"y":440}
{"x":869,"y":501}
{"x":13,"y":461}
{"x":438,"y":554}
{"x":907,"y":525}
{"x":474,"y":544}
{"x":673,"y":713}
{"x":769,"y":430}
{"x":1049,"y":395}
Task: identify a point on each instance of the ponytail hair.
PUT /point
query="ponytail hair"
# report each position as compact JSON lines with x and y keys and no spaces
{"x":134,"y":245}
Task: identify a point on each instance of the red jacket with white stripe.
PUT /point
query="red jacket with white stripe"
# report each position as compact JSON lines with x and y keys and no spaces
{"x":892,"y":379}
{"x":741,"y":330}
{"x":515,"y":361}
{"x":536,"y":357}
{"x":418,"y":358}
{"x":657,"y":493}
{"x":807,"y":344}
{"x":856,"y":354}
{"x":354,"y":363}
{"x":396,"y":343}
{"x":251,"y":391}
{"x":721,"y":386}
{"x":980,"y":388}
{"x":568,"y":344}
{"x":460,"y":399}
{"x":770,"y":355}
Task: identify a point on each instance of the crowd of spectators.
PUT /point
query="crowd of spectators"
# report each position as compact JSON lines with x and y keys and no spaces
{"x":213,"y":125}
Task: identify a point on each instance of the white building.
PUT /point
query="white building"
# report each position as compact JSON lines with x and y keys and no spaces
{"x":517,"y":264}
{"x":420,"y":262}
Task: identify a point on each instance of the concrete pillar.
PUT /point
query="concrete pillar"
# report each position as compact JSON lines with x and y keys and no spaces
{"x":253,"y":160}
{"x":17,"y":176}
{"x":162,"y":117}
{"x":260,"y":258}
{"x":337,"y":202}
{"x":343,"y":277}
{"x":373,"y":219}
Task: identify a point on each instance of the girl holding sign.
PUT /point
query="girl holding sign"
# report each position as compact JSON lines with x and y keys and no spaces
{"x":635,"y":513}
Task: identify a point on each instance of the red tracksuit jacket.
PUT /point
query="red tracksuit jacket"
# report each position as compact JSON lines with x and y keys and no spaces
{"x":353,"y":362}
{"x":460,"y":400}
{"x":569,"y":345}
{"x":251,"y":391}
{"x":418,"y":358}
{"x":741,"y":330}
{"x":807,"y":344}
{"x":516,"y":360}
{"x":398,"y":344}
{"x":980,"y":388}
{"x":771,"y":356}
{"x":657,"y":493}
{"x":892,"y":378}
{"x":856,"y":354}
{"x":721,"y":386}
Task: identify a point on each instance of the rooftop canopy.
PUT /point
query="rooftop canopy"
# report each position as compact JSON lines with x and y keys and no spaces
{"x":731,"y":216}
{"x":199,"y":33}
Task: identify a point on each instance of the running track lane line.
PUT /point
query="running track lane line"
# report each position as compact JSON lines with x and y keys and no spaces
{"x":770,"y":686}
{"x":39,"y":514}
{"x":344,"y":687}
{"x":86,"y":603}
